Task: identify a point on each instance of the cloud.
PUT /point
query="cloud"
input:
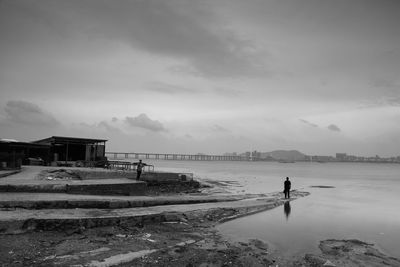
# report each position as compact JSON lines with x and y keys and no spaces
{"x":114,"y":119}
{"x":143,"y":121}
{"x":166,"y":88}
{"x":308,"y":123}
{"x":393,"y":101}
{"x":101,"y":127}
{"x":227,"y":92}
{"x":383,"y":83}
{"x":174,"y":30}
{"x":23,"y":112}
{"x":190,"y":34}
{"x":107,"y":127}
{"x":334,"y":128}
{"x":220,"y":129}
{"x":388,"y":101}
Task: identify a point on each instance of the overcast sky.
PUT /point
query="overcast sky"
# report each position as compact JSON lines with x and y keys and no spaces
{"x":319,"y":76}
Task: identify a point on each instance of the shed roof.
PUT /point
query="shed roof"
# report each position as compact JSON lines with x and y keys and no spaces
{"x":69,"y":140}
{"x":23,"y":144}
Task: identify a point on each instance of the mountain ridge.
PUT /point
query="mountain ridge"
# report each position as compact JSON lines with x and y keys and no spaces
{"x":289,"y":155}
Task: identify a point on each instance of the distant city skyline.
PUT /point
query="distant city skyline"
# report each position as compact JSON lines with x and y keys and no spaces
{"x":209,"y":76}
{"x":338,"y":156}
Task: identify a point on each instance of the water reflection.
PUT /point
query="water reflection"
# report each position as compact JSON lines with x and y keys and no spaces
{"x":286,"y":209}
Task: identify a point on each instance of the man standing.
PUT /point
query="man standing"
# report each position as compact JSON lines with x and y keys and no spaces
{"x":287,"y":188}
{"x":139,"y":168}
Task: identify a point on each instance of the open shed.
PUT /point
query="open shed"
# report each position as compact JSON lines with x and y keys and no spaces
{"x":74,"y":149}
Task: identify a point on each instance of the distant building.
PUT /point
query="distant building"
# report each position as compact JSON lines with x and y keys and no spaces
{"x":322,"y":158}
{"x":341,"y":156}
{"x":256,"y":155}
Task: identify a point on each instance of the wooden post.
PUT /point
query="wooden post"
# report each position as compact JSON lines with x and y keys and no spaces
{"x":66,"y":155}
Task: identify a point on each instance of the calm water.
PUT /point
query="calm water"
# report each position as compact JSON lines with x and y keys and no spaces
{"x":364,"y":203}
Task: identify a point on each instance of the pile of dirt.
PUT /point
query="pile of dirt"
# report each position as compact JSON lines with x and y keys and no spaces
{"x":59,"y":174}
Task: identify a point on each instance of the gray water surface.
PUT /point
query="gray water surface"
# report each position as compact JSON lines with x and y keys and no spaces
{"x":364,"y":203}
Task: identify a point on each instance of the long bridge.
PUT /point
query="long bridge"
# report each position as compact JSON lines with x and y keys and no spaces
{"x":169,"y":156}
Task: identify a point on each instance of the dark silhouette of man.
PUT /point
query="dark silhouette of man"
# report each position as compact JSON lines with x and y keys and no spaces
{"x":139,"y":167}
{"x":287,"y":186}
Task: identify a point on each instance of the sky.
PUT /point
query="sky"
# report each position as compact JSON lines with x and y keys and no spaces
{"x":206,"y":76}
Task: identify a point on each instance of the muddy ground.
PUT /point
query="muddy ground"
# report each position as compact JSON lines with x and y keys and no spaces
{"x":183,"y":240}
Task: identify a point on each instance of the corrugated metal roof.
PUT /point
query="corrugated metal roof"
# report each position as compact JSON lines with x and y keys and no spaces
{"x":69,"y":140}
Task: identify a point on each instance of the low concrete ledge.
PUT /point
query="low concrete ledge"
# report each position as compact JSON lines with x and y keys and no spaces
{"x":5,"y":173}
{"x":33,"y":188}
{"x":126,"y":189}
{"x":166,"y":177}
{"x":89,"y":187}
{"x":63,"y":224}
{"x":19,"y":221}
{"x":67,"y":202}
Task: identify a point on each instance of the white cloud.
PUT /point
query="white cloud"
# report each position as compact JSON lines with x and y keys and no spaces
{"x":219,"y":129}
{"x":24,"y":112}
{"x":309,"y":123}
{"x":165,"y":88}
{"x":334,"y":128}
{"x":143,"y":121}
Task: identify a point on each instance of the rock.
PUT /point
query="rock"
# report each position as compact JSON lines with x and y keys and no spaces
{"x":100,"y":239}
{"x":314,"y":260}
{"x":259,"y":244}
{"x":329,"y":263}
{"x":179,"y":249}
{"x":354,"y":253}
{"x":120,"y":235}
{"x":46,"y":244}
{"x":172,"y":217}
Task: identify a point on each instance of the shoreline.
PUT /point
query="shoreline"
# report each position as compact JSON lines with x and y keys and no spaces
{"x":183,"y":239}
{"x":183,"y":234}
{"x":176,"y":239}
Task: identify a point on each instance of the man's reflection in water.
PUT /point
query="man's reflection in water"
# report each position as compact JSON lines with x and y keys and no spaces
{"x":286,"y":209}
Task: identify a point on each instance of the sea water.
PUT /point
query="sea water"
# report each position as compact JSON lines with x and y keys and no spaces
{"x":361,"y":202}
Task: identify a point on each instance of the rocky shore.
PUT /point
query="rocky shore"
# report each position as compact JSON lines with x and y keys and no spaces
{"x":182,"y":234}
{"x":188,"y":239}
{"x":181,"y":239}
